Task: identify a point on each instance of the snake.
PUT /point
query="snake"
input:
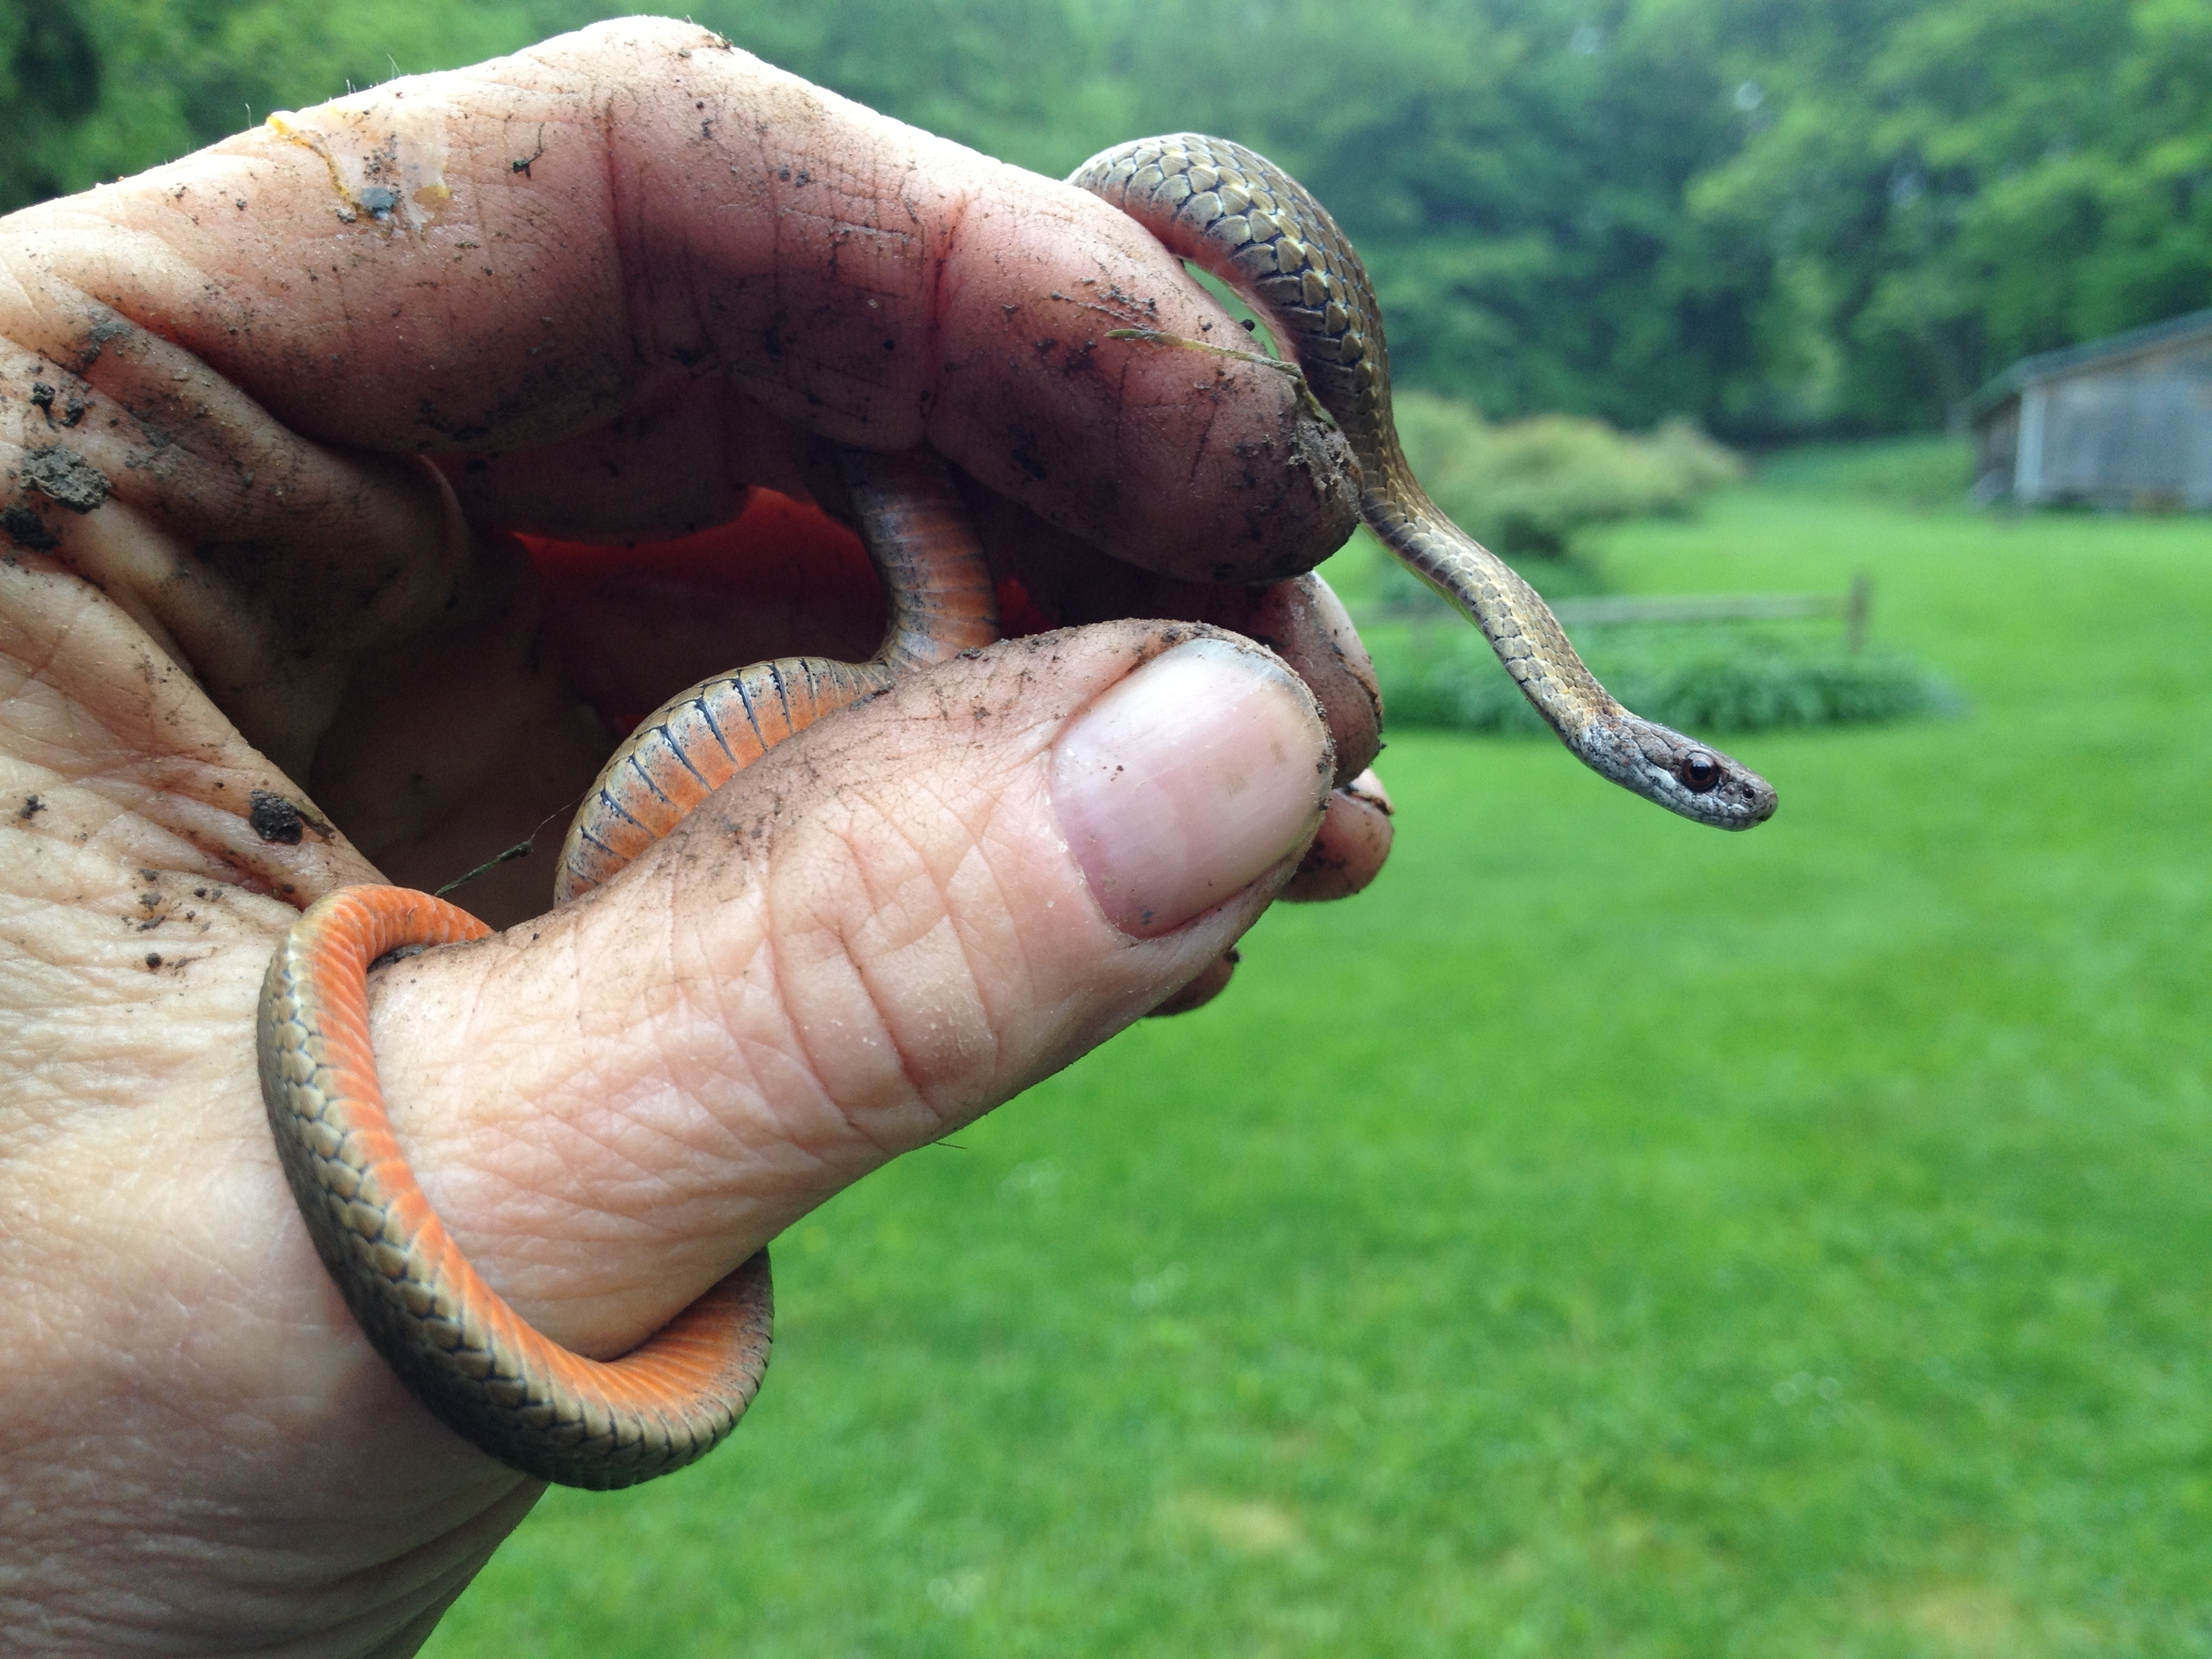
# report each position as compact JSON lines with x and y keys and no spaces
{"x":459,"y":1347}
{"x":1243,"y":219}
{"x":456,"y":1345}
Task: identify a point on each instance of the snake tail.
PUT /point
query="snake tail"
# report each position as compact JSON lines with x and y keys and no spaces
{"x":461,"y":1350}
{"x":456,"y":1344}
{"x":1241,"y":217}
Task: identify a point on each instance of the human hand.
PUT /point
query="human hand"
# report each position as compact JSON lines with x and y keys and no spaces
{"x":260,"y":647}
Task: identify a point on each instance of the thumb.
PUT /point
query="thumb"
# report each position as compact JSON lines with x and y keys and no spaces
{"x":887,"y":926}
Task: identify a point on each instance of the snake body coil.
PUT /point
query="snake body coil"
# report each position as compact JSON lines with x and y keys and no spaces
{"x":459,"y":1347}
{"x":456,"y":1343}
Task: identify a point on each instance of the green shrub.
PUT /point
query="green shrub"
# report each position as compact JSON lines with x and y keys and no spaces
{"x":1526,"y":488}
{"x":1925,"y":472}
{"x":1701,"y":679}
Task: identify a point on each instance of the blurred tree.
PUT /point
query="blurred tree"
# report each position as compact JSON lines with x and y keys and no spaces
{"x":1514,"y":173}
{"x":1945,"y":185}
{"x":91,"y":89}
{"x":1777,"y":215}
{"x":50,"y":82}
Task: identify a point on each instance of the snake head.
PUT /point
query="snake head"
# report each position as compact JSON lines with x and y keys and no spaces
{"x":1676,"y":772}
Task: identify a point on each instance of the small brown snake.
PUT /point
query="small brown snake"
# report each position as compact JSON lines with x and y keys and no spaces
{"x":464,"y":1353}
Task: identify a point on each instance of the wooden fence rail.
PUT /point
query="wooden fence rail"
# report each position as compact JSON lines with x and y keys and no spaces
{"x":1617,"y":609}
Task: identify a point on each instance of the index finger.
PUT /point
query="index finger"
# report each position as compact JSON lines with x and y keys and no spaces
{"x":640,"y":231}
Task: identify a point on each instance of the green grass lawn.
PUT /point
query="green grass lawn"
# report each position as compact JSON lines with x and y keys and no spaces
{"x":1606,"y":1236}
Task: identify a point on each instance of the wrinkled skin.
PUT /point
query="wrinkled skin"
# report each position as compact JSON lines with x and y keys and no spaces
{"x":267,"y":419}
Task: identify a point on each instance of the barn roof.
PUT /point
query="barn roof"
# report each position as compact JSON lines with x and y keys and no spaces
{"x":2050,"y":365}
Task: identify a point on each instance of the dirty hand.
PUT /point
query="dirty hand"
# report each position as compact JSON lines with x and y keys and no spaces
{"x":270,"y":421}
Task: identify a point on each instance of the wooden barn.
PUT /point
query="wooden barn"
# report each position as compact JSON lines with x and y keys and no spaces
{"x":2124,"y":422}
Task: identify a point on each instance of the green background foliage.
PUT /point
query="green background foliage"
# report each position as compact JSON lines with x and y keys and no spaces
{"x":1528,"y":488}
{"x":1776,"y":216}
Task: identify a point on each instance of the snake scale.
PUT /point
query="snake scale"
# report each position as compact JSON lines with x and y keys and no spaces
{"x":464,"y":1353}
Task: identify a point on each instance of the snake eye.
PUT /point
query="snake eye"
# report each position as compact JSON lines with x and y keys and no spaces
{"x":1700,"y":772}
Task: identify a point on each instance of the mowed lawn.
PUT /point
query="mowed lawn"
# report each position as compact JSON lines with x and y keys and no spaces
{"x":1606,"y":1236}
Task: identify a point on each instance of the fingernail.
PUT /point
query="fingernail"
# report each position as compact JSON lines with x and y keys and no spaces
{"x":1188,"y":780}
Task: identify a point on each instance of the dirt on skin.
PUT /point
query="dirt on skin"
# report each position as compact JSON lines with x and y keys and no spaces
{"x":63,"y":477}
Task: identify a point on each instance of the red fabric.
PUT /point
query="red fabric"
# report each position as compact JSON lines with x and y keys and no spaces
{"x":634,"y":624}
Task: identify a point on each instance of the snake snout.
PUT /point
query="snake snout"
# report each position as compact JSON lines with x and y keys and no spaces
{"x":1741,"y":797}
{"x":1677,"y":772}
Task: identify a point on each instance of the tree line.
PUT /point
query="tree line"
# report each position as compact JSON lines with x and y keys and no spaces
{"x":1776,"y":216}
